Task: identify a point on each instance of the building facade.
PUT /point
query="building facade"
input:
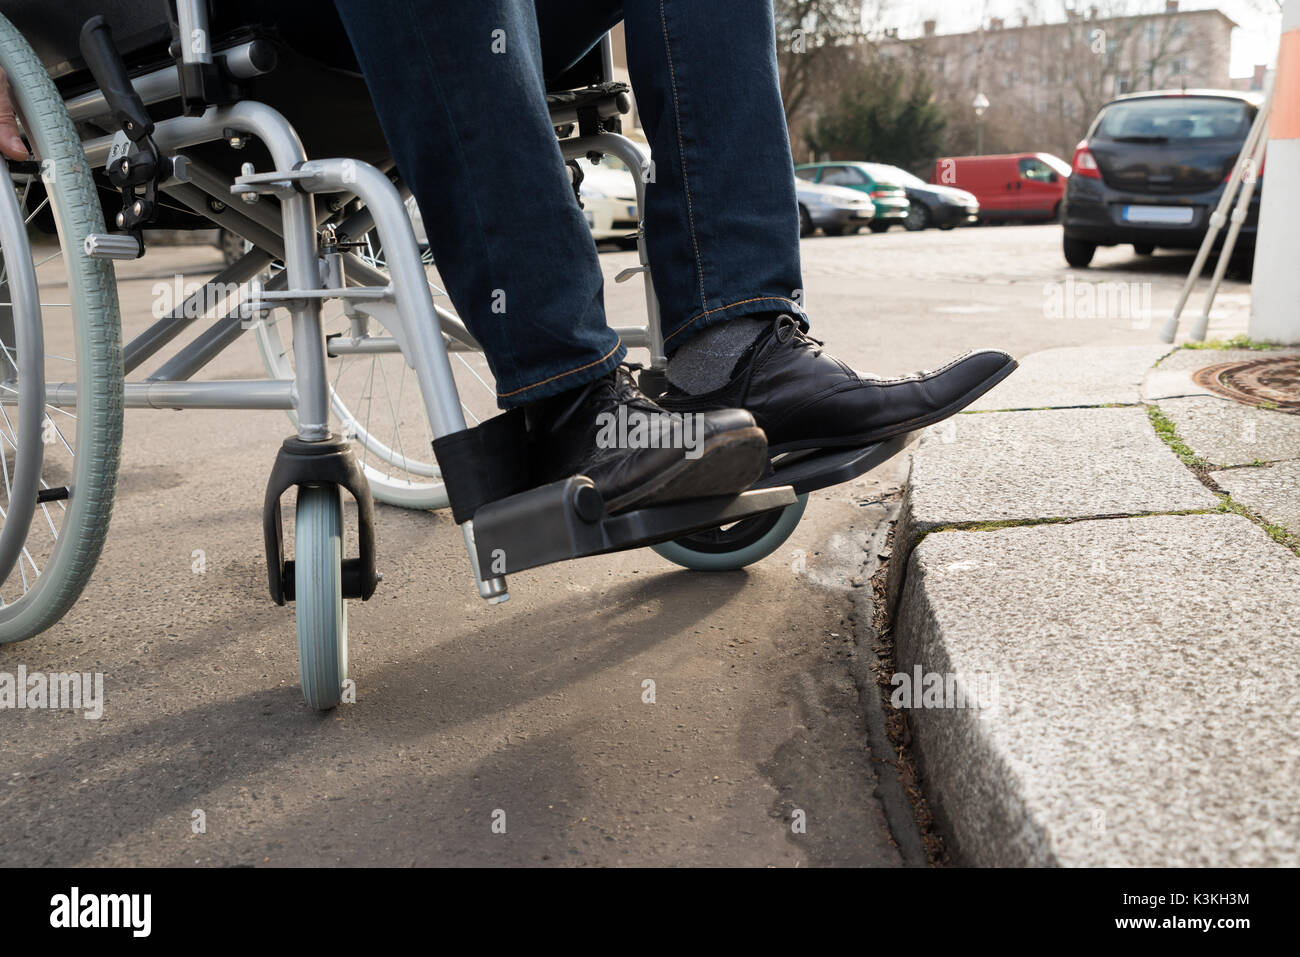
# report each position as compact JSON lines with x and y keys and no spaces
{"x":1045,"y":81}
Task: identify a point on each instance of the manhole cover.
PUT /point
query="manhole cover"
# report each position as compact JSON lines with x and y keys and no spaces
{"x":1269,"y":383}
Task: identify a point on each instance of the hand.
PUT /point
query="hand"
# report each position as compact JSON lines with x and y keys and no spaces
{"x":11,"y":143}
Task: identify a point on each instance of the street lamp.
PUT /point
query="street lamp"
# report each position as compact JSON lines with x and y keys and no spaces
{"x":980,"y":104}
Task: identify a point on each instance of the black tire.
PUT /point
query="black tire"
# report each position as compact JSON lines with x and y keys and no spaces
{"x":878,"y":227}
{"x":1056,"y":214}
{"x":918,"y":218}
{"x":1078,"y":253}
{"x":806,"y":227}
{"x":833,"y":230}
{"x":1144,"y":249}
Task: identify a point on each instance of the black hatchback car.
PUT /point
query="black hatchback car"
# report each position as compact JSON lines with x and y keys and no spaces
{"x":1152,"y":169}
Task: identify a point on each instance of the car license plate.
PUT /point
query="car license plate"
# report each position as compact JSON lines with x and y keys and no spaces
{"x":1172,"y":215}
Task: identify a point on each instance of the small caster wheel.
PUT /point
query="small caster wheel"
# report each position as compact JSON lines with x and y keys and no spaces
{"x":737,"y":545}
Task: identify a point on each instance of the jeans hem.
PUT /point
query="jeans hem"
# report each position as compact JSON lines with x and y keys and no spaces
{"x":563,"y":381}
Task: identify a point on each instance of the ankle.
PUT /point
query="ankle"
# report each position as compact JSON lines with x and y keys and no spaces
{"x":709,"y":360}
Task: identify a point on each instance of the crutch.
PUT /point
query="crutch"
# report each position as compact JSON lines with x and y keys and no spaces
{"x":1239,"y":212}
{"x":1219,"y":217}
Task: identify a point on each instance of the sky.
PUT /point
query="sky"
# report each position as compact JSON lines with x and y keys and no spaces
{"x":1254,"y":41}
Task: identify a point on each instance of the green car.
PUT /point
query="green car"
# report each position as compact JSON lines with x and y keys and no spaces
{"x":878,"y":181}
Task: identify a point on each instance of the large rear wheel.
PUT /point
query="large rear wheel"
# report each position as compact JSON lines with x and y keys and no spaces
{"x":67,"y":341}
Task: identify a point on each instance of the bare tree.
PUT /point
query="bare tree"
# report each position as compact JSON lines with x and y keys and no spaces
{"x":810,"y":34}
{"x":1048,"y":71}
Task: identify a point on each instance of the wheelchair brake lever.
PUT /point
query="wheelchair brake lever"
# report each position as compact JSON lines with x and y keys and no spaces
{"x":108,"y":69}
{"x":135,"y":174}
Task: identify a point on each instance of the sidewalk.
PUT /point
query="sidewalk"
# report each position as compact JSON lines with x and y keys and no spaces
{"x":1105,"y":551}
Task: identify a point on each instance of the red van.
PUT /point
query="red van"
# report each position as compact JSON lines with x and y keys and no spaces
{"x":1011,"y":186}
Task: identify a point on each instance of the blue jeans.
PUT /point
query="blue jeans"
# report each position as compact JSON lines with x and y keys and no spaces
{"x":461,"y":94}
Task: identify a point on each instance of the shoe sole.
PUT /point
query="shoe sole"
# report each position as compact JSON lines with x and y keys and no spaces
{"x":898,"y":428}
{"x":729,"y":464}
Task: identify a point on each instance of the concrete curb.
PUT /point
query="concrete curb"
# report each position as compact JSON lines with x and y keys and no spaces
{"x":1141,"y":642}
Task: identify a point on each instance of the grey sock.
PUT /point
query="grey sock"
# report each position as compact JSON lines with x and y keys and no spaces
{"x":706,"y":362}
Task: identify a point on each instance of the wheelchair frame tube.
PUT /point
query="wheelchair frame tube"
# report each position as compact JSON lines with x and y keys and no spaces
{"x":148,"y":343}
{"x":244,"y":61}
{"x":211,"y":342}
{"x":634,"y":160}
{"x":421,"y":337}
{"x":298,"y":214}
{"x":226,"y":394}
{"x":192,"y":20}
{"x":426,"y":350}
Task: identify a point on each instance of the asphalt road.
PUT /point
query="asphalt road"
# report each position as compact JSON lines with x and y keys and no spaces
{"x":532,"y":711}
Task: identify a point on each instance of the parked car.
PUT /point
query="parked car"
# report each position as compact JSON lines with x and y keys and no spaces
{"x":609,"y":199}
{"x":1010,"y":186}
{"x":929,"y":205}
{"x":874,"y":179}
{"x":833,"y":209}
{"x":1152,"y":168}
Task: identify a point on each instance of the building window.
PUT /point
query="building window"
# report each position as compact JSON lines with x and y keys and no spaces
{"x":1122,"y":85}
{"x":1178,"y":66}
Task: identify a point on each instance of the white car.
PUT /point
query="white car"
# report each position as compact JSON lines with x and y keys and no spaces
{"x":835,"y":209}
{"x":609,"y":199}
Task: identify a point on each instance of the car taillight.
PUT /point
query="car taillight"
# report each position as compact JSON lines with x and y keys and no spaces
{"x":1085,"y":164}
{"x":878,"y":193}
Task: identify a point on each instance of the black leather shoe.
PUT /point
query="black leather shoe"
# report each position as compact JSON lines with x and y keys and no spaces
{"x":636,"y":453}
{"x":805,"y":399}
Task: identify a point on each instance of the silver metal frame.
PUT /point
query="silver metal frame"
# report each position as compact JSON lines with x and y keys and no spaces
{"x":423,"y":332}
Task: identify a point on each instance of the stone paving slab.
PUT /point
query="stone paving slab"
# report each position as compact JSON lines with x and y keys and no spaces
{"x":1143,"y":675}
{"x":1189,"y":360}
{"x":1063,"y":463}
{"x":1076,"y":376}
{"x":1272,"y":491}
{"x":1224,"y":432}
{"x":1162,"y":383}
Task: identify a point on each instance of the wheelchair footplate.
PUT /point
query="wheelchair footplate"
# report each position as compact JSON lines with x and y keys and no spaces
{"x":567,"y":519}
{"x":809,"y":470}
{"x":516,"y":527}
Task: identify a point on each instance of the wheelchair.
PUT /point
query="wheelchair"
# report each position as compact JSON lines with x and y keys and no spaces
{"x":172,"y":115}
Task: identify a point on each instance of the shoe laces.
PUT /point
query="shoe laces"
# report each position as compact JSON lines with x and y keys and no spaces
{"x":622,"y":390}
{"x":789,"y":329}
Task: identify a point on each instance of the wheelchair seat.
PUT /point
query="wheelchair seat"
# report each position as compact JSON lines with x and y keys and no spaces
{"x":312,"y":52}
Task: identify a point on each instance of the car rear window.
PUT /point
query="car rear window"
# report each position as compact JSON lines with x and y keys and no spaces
{"x":842,"y":176}
{"x":1172,"y":118}
{"x":884,"y":175}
